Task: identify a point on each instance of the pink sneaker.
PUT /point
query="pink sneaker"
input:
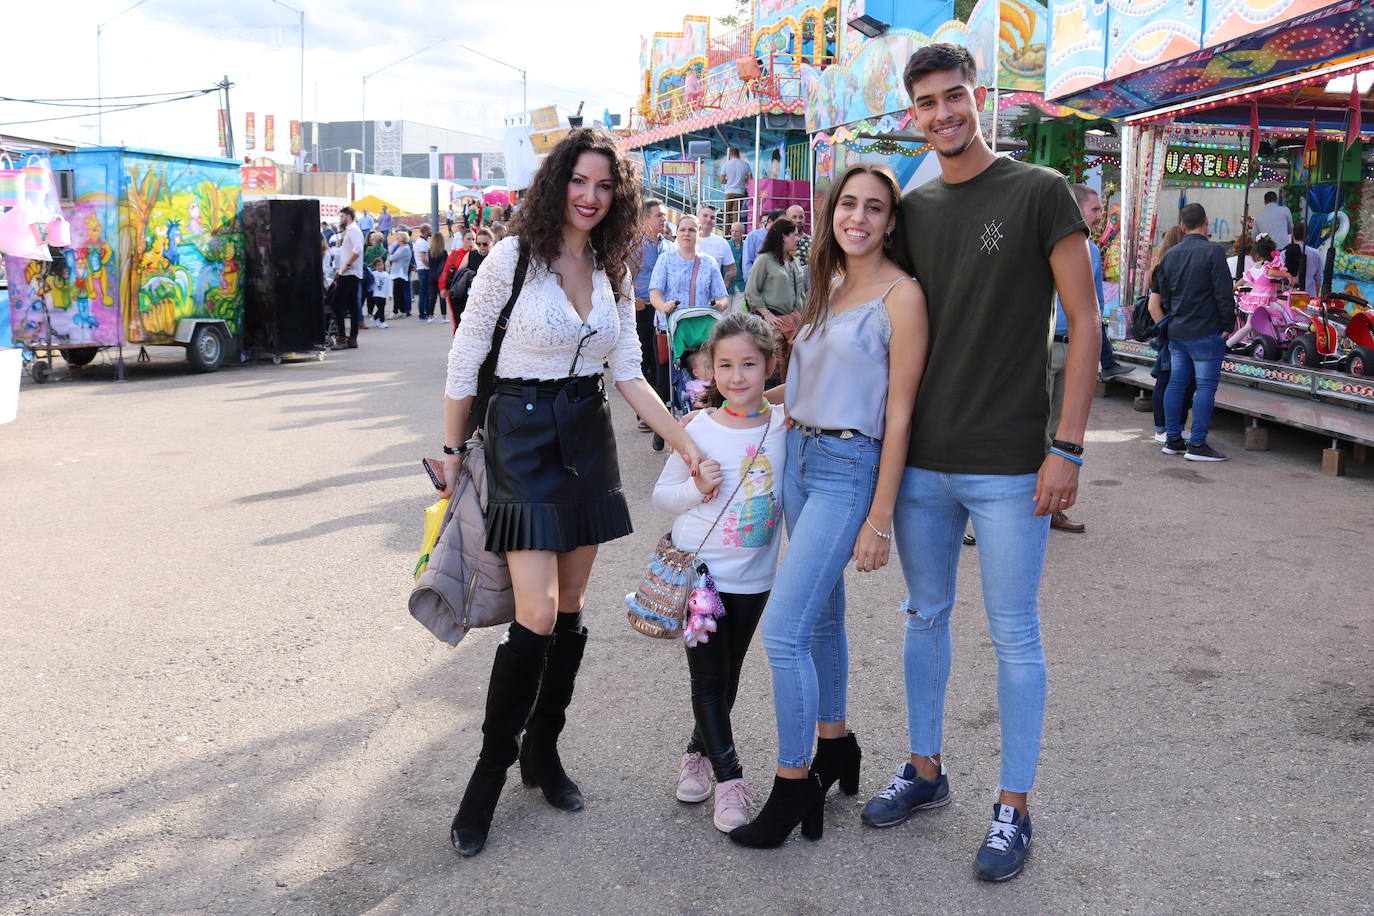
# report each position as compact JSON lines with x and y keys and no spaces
{"x":734,"y":797}
{"x":694,"y":779}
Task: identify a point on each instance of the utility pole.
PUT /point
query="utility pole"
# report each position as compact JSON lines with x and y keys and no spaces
{"x":224,"y":85}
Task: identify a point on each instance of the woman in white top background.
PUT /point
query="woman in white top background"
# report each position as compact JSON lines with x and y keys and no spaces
{"x":553,"y":478}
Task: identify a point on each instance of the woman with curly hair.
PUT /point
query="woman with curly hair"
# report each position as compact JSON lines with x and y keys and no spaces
{"x":553,"y":479}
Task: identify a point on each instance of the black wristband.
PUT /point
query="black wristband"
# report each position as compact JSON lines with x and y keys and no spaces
{"x":1067,"y":446}
{"x":460,"y":450}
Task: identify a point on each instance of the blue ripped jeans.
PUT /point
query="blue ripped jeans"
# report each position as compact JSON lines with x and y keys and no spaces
{"x":827,"y":491}
{"x":932,"y":511}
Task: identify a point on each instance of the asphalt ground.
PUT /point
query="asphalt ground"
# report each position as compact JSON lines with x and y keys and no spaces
{"x":216,"y":701}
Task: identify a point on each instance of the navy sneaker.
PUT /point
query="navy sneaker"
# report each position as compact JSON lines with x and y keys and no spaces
{"x":1175,"y":447}
{"x":1003,"y":853}
{"x":904,"y":796}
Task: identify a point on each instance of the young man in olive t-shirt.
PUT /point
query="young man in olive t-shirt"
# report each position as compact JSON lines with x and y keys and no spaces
{"x":990,"y":241}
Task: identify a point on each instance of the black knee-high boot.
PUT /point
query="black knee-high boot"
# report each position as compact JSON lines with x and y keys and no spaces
{"x":539,"y":762}
{"x":515,"y":677}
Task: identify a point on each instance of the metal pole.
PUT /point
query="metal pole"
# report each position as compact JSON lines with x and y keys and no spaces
{"x":99,"y":92}
{"x":434,"y":187}
{"x":362,"y":127}
{"x":300,"y":114}
{"x":758,"y":123}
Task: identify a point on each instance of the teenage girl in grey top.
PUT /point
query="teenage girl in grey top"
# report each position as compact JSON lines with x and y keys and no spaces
{"x":851,"y":407}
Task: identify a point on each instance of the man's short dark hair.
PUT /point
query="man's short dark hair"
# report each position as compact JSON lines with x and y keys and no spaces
{"x":772,"y":215}
{"x":1082,"y":192}
{"x":1270,"y":197}
{"x":648,"y":206}
{"x":734,"y":151}
{"x":1300,"y":232}
{"x":937,"y":58}
{"x":708,"y":207}
{"x":347,"y":210}
{"x":1192,"y":217}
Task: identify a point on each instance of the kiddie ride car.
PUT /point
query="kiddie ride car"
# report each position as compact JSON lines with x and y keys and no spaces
{"x":1333,"y":338}
{"x":1277,"y":325}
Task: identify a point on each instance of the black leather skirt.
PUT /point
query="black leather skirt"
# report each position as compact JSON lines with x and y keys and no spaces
{"x":553,"y":477}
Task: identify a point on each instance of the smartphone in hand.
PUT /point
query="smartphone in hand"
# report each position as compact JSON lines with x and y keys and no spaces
{"x":435,"y":469}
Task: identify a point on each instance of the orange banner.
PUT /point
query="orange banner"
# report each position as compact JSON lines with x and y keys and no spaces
{"x":295,"y":128}
{"x":269,"y":132}
{"x":250,"y":131}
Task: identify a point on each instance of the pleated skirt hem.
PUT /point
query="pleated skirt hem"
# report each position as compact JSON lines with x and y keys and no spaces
{"x":560,"y":526}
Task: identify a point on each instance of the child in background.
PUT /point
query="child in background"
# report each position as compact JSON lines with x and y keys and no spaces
{"x":744,"y":441}
{"x":699,"y":363}
{"x":381,"y":282}
{"x":1265,"y":267}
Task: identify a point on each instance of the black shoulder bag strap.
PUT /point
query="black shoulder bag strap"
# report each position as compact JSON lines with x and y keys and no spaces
{"x":486,"y":376}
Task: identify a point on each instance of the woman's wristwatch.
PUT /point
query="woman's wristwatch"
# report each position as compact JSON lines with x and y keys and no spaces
{"x":460,"y":450}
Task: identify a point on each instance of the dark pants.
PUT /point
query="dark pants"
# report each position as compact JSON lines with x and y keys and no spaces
{"x":1108,"y":359}
{"x":714,"y":667}
{"x":425,"y":292}
{"x":378,"y":309}
{"x":347,"y":304}
{"x":400,"y":296}
{"x":1157,"y":399}
{"x":648,"y":346}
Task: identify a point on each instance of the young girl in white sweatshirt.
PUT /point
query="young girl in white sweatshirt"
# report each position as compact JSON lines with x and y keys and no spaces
{"x":739,"y":483}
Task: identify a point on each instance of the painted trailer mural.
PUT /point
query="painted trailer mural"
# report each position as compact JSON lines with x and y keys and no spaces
{"x":156,"y":254}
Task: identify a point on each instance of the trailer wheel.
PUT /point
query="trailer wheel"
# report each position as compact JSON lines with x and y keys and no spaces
{"x":78,"y":356}
{"x":1361,"y":361}
{"x":40,"y":371}
{"x":206,"y":349}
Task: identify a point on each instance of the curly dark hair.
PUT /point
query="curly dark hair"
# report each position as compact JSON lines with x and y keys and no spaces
{"x":539,"y":221}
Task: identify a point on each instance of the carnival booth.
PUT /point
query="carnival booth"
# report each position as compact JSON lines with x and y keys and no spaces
{"x":703,"y":92}
{"x":147,"y":248}
{"x":1222,"y":101}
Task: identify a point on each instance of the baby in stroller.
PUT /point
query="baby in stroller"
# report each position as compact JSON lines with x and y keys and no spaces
{"x":699,"y":366}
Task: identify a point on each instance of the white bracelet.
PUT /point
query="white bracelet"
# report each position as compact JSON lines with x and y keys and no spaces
{"x":885,"y":537}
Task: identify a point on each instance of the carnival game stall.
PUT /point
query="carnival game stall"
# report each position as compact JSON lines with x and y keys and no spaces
{"x":1221,"y":101}
{"x":153,"y":255}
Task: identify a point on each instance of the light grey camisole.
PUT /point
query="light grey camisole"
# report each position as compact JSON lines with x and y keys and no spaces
{"x":837,"y":378}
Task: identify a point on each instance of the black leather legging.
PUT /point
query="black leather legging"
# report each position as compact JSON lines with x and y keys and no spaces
{"x":714,"y":667}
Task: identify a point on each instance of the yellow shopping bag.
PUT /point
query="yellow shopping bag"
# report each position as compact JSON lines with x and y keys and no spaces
{"x":434,"y":520}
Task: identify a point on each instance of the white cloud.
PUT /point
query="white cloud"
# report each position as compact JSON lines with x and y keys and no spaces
{"x":572,"y":52}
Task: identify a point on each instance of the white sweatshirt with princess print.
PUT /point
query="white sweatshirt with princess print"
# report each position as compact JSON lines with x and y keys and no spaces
{"x":742,"y":551}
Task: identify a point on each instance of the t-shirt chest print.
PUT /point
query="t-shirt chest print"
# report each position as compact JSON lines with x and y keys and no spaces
{"x":992,"y":236}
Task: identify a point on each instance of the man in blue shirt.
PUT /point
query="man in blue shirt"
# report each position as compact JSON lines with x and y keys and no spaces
{"x":652,"y":217}
{"x":754,"y":241}
{"x":1090,"y":205}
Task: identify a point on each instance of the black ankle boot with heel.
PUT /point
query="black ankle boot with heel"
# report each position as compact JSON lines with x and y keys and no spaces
{"x":837,"y":759}
{"x":539,"y":762}
{"x":515,"y":677}
{"x":792,"y":802}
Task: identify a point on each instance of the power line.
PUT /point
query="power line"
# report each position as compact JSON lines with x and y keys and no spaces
{"x":193,"y":95}
{"x":87,"y":98}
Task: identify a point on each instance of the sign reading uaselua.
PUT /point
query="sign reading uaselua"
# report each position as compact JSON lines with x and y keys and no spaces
{"x":1214,"y":166}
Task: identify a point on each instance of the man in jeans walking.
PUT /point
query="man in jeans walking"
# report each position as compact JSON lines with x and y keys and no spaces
{"x":1195,"y":291}
{"x":991,"y":240}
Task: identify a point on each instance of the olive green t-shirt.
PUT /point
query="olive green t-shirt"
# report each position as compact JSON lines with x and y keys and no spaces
{"x":981,"y":249}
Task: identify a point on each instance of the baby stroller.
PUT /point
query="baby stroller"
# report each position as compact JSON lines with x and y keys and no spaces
{"x":688,"y":330}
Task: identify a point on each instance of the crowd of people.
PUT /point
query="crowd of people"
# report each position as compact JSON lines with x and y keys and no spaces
{"x":810,"y":426}
{"x":375,"y":267}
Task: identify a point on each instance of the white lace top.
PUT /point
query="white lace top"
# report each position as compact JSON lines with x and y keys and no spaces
{"x":544,"y":334}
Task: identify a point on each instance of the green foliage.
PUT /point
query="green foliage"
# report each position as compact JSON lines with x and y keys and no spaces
{"x":743,"y":14}
{"x":963,"y":9}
